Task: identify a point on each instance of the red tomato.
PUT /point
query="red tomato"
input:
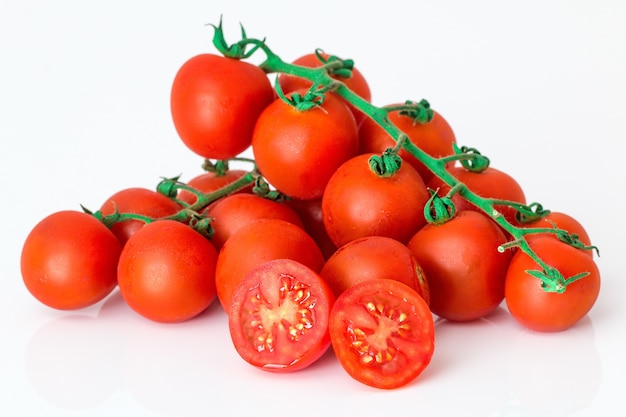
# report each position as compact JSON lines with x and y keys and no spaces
{"x":374,"y":257}
{"x":235,"y":211}
{"x":208,"y":182}
{"x":138,"y":201}
{"x":382,"y":332}
{"x":435,"y":138}
{"x":298,"y":150}
{"x":166,"y":272}
{"x":215,"y":102}
{"x":278,"y":319}
{"x":69,"y":260}
{"x":464,"y":268}
{"x":560,"y":221}
{"x":310,"y":211}
{"x":356,"y":82}
{"x":357,"y":202}
{"x":258,"y":242}
{"x":543,"y":311}
{"x":491,"y":183}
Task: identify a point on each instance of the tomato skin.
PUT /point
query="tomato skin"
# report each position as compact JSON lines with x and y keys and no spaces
{"x":273,"y":295}
{"x":141,"y":201}
{"x":208,"y":182}
{"x":543,"y":311}
{"x":366,"y":336}
{"x":374,"y":257}
{"x":215,"y":102}
{"x":464,"y":268}
{"x":298,"y":151}
{"x":258,"y":242}
{"x":357,"y":202}
{"x":560,"y":221}
{"x":235,"y":211}
{"x":491,"y":183}
{"x":310,"y":211}
{"x":166,"y":272}
{"x":435,"y":138}
{"x":356,"y":83}
{"x":69,"y":260}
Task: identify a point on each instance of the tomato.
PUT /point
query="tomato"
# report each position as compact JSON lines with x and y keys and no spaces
{"x":491,"y":183}
{"x":215,"y":102}
{"x":166,"y":272}
{"x":141,"y":201}
{"x":543,"y":311}
{"x":435,"y":138}
{"x":465,"y":270}
{"x":278,"y":319}
{"x":356,"y":82}
{"x":562,"y":221}
{"x":382,"y":332}
{"x":209,"y":181}
{"x":310,"y":211}
{"x":298,"y":150}
{"x":258,"y":242}
{"x":358,"y":202}
{"x":234,"y":211}
{"x":69,"y":260}
{"x":374,"y":257}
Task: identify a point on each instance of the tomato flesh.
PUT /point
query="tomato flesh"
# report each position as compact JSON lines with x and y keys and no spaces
{"x":382,"y":333}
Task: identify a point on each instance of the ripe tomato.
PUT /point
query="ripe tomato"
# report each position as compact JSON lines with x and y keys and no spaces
{"x":260,"y":241}
{"x":491,"y":183}
{"x":235,"y":211}
{"x":166,"y":272}
{"x":382,"y":332}
{"x":298,"y":150}
{"x":138,"y":201}
{"x":357,"y":202}
{"x":374,"y":257}
{"x":208,"y":182}
{"x":215,"y":102}
{"x":310,"y":211}
{"x":278,"y":319}
{"x":69,"y":260}
{"x":435,"y":138}
{"x":539,"y":310}
{"x":464,"y":268}
{"x":560,"y":221}
{"x":356,"y":82}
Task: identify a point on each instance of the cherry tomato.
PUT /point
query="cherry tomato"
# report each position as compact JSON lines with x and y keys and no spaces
{"x":465,"y":270}
{"x":539,"y":310}
{"x":137,"y":201}
{"x":356,"y":82}
{"x":435,"y":138}
{"x":69,"y":260}
{"x":491,"y":183}
{"x":382,"y":332}
{"x":278,"y":319}
{"x":562,"y":221}
{"x":357,"y":202}
{"x":260,"y":241}
{"x":235,"y":211}
{"x":310,"y":211}
{"x":374,"y":257}
{"x":215,"y":102}
{"x":166,"y":272}
{"x":208,"y":182}
{"x":298,"y":150}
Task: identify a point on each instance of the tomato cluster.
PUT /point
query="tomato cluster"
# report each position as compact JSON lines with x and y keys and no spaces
{"x":326,"y":242}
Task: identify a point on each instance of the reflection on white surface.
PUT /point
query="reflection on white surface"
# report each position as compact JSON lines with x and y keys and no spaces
{"x":490,"y":367}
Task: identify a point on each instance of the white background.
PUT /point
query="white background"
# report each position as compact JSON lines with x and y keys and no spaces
{"x":538,"y":86}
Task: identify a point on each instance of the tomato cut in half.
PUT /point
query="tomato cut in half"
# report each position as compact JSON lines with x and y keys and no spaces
{"x":278,"y":319}
{"x":382,"y":332}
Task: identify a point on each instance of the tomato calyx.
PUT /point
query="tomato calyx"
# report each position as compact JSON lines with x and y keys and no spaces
{"x":386,"y":164}
{"x":237,"y":50}
{"x":420,"y":112}
{"x":439,"y":210}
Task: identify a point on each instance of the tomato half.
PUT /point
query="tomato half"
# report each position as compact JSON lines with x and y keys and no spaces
{"x":69,"y":260}
{"x":539,"y":310}
{"x":166,"y":272}
{"x":215,"y":102}
{"x":382,"y":333}
{"x":278,"y":319}
{"x":464,"y":268}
